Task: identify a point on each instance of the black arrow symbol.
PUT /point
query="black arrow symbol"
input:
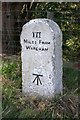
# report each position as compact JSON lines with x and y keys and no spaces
{"x":37,"y":78}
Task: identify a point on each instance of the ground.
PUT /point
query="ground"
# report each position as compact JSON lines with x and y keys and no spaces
{"x":15,"y":105}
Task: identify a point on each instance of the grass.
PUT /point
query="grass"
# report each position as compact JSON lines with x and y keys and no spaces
{"x":70,"y":78}
{"x":15,"y":105}
{"x":12,"y":68}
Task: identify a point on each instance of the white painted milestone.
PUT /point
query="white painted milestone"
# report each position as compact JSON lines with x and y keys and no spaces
{"x":41,"y":41}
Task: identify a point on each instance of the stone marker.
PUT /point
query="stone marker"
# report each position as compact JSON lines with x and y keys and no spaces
{"x":41,"y":41}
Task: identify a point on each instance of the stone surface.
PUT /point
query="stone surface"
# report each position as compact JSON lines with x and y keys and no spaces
{"x":41,"y":41}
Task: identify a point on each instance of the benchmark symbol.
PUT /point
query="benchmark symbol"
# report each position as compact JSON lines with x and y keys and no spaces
{"x":37,"y":78}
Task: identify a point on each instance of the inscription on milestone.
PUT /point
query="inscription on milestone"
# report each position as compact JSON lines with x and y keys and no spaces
{"x":37,"y":34}
{"x":37,"y":79}
{"x":34,"y":44}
